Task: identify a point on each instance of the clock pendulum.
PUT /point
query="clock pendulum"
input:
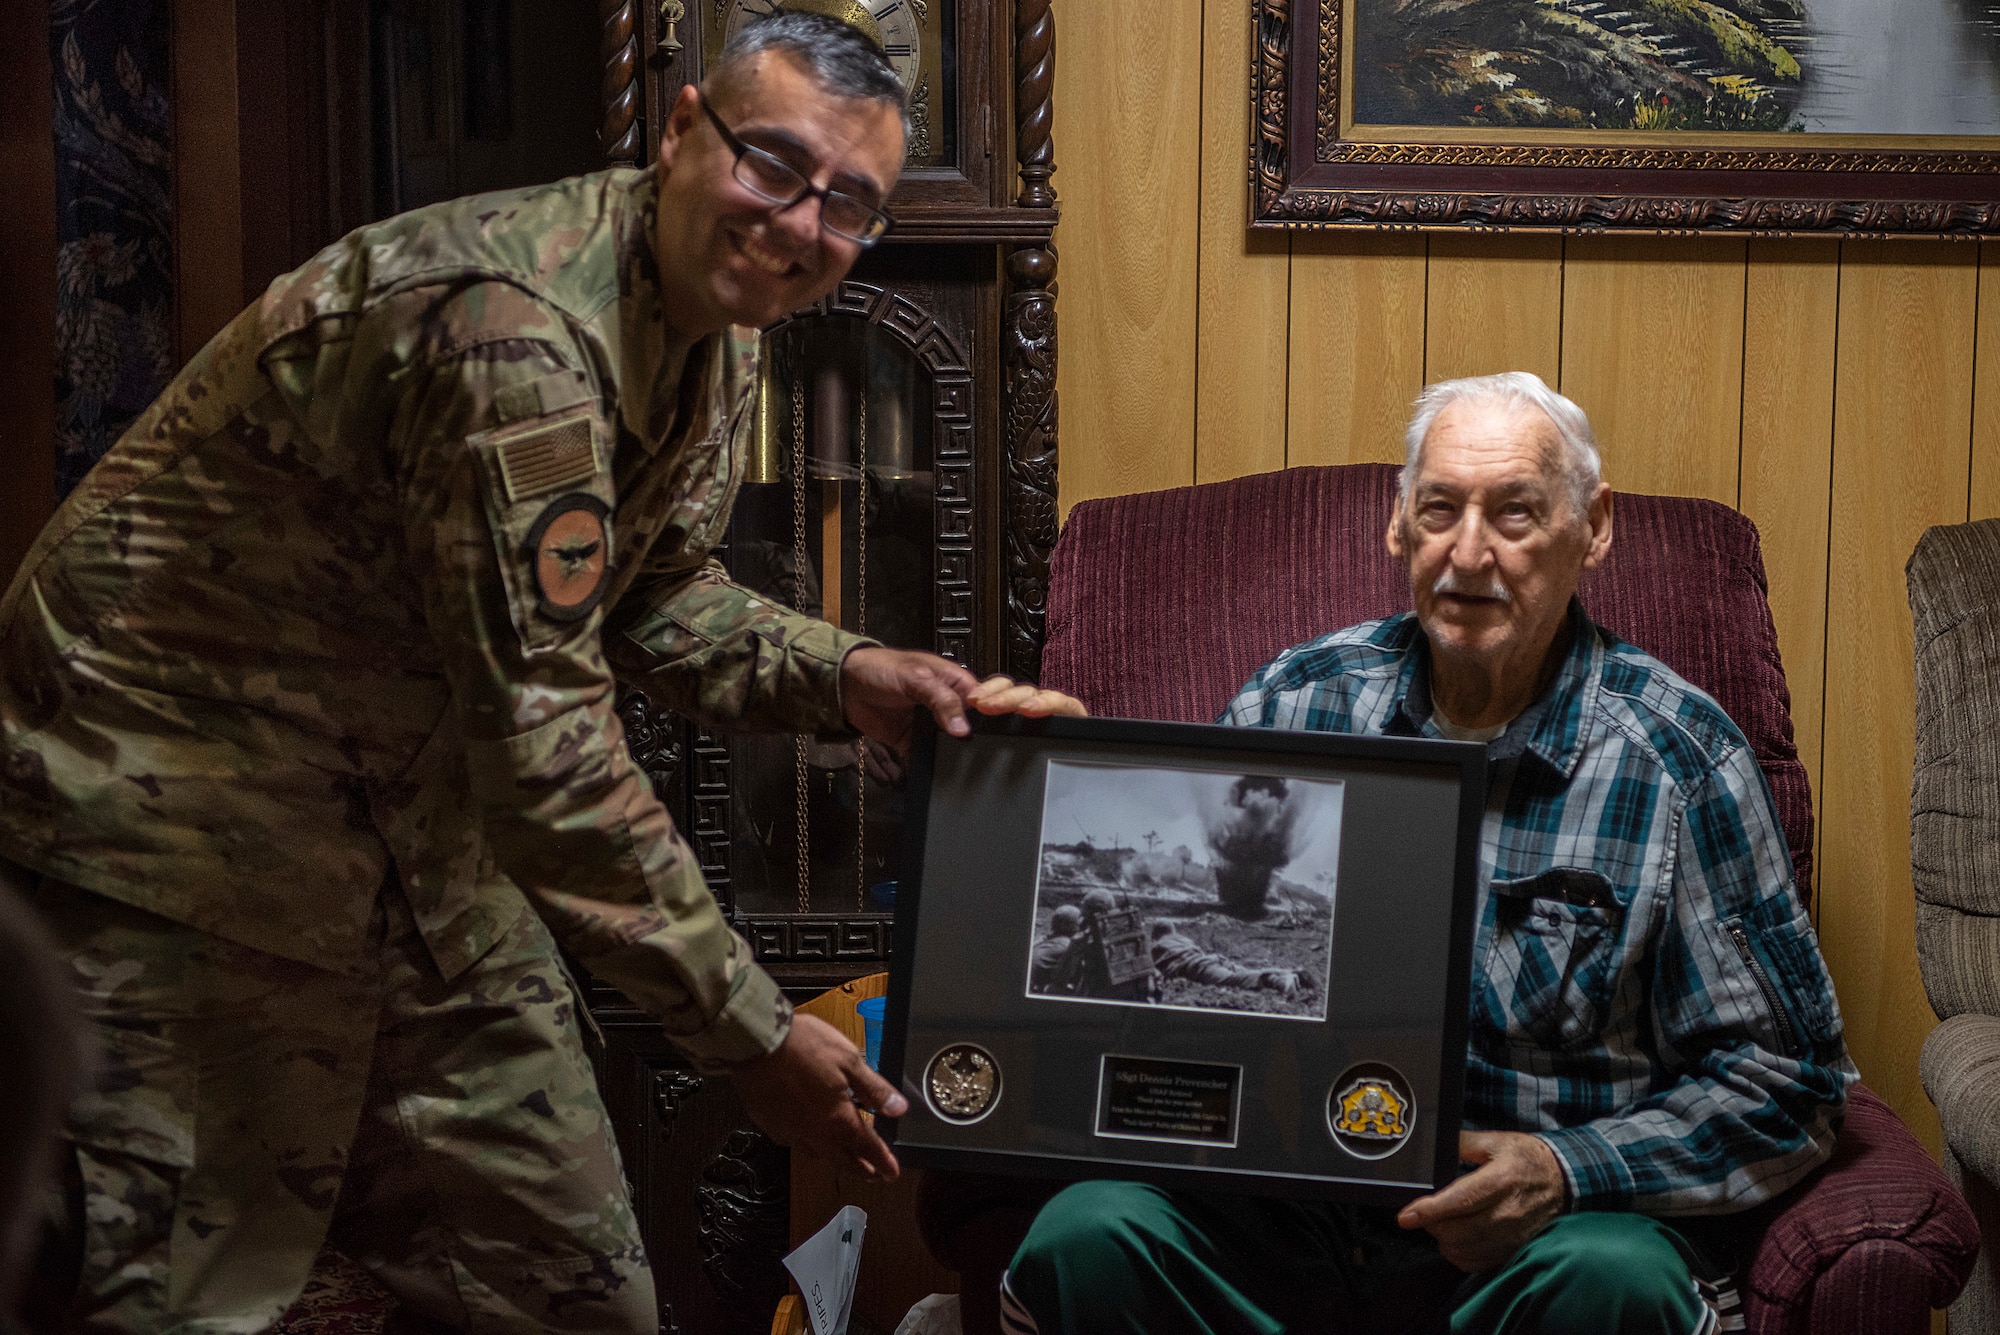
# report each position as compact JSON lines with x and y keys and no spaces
{"x":830,"y":409}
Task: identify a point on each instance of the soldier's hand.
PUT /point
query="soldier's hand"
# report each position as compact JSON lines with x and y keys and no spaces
{"x":1483,"y":1218}
{"x":810,"y":1093}
{"x":880,"y":687}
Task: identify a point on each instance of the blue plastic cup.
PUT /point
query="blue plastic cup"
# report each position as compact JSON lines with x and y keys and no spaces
{"x":871,"y":1029}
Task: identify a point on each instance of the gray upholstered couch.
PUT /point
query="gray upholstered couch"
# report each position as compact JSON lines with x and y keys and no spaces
{"x":1955,"y":857}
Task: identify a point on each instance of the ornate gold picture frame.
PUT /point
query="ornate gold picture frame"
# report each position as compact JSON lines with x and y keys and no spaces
{"x":1668,"y":170}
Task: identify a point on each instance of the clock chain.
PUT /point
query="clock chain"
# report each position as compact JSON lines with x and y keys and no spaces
{"x":861,"y":628}
{"x":801,"y":568}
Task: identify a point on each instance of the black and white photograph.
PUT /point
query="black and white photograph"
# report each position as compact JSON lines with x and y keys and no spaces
{"x":1190,"y":889}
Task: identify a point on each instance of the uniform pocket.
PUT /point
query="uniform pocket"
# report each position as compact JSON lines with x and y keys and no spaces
{"x":133,"y":1137}
{"x":142,"y":1102}
{"x":1552,"y":956}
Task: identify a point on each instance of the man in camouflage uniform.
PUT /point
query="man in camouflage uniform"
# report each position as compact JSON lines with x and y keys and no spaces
{"x":306,"y":696}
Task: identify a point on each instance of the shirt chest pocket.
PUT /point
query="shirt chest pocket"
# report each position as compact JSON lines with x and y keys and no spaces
{"x":1551,"y":961}
{"x":686,"y":504}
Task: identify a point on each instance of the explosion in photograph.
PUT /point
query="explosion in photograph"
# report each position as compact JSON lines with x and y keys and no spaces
{"x":1127,"y":912}
{"x":1250,"y":837}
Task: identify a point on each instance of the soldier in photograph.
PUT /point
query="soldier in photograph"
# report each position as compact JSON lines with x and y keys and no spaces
{"x":1056,"y":959}
{"x":1111,"y":964}
{"x":1176,"y":956}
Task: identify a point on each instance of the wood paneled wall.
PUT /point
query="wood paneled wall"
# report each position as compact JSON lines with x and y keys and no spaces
{"x":1840,"y":394}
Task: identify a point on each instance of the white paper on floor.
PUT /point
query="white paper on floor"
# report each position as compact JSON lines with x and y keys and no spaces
{"x":935,"y":1315}
{"x":826,"y":1265}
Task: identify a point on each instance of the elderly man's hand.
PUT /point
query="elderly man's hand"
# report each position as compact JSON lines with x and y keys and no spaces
{"x":810,"y":1093}
{"x":1484,"y":1217}
{"x":880,"y":688}
{"x":1004,"y":695}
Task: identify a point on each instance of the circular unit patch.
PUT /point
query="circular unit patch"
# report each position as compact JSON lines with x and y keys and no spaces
{"x":962,"y":1083}
{"x":570,"y":549}
{"x":1371,"y":1111}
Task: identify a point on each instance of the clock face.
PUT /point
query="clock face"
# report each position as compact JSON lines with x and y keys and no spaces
{"x":902,"y":37}
{"x":916,"y":36}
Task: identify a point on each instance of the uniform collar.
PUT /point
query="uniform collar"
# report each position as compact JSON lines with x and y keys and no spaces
{"x":1553,"y":729}
{"x":655,"y":362}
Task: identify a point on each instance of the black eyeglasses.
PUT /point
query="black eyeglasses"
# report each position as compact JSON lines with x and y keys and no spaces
{"x":771,"y":178}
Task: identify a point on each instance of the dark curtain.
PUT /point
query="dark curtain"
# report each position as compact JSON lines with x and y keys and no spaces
{"x":114,"y":224}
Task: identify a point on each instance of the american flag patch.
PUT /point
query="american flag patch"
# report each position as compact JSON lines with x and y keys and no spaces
{"x":546,"y":458}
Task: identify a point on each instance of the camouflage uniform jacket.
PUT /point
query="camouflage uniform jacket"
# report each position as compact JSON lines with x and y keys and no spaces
{"x":352,"y":594}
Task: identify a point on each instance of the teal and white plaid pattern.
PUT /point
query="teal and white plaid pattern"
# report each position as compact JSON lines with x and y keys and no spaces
{"x":1648,"y":994}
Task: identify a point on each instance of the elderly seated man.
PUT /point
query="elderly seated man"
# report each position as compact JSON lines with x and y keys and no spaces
{"x":1653,"y":1035}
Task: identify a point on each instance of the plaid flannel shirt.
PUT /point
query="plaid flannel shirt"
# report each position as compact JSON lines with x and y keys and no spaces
{"x":1648,"y":995}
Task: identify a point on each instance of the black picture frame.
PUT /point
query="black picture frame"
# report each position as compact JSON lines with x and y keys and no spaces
{"x":1401,"y":917}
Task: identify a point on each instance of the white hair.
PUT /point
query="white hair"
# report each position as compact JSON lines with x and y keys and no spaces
{"x":1582,"y":471}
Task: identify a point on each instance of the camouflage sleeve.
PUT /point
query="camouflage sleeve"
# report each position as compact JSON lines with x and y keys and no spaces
{"x":706,"y":647}
{"x":504,"y":465}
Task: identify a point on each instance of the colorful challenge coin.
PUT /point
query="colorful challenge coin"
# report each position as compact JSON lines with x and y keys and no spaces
{"x":1371,"y":1111}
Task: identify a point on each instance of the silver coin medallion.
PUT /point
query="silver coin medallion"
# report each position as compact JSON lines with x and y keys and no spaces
{"x":962,"y":1083}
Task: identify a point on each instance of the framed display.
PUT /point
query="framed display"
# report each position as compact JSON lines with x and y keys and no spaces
{"x":1842,"y":117}
{"x":1226,"y":957}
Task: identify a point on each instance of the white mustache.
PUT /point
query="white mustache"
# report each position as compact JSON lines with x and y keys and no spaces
{"x":1491,"y":587}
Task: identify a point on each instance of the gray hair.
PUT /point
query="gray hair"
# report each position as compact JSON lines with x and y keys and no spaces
{"x":844,"y":59}
{"x":1582,"y":471}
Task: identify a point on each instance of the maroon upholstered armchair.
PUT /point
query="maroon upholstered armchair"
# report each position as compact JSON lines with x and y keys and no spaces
{"x":1161,"y":605}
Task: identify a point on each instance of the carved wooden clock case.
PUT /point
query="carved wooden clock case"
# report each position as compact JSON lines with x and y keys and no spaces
{"x":902,"y":484}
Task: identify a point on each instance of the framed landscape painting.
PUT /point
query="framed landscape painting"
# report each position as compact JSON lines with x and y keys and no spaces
{"x":1839,"y":117}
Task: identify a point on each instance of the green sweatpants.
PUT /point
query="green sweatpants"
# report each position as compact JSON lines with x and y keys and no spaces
{"x":446,"y":1133}
{"x":1110,"y":1257}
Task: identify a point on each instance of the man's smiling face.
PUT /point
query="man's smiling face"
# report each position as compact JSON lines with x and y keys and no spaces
{"x":728,"y":256}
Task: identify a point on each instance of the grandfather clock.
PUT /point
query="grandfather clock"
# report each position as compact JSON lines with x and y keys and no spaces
{"x":902,"y":484}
